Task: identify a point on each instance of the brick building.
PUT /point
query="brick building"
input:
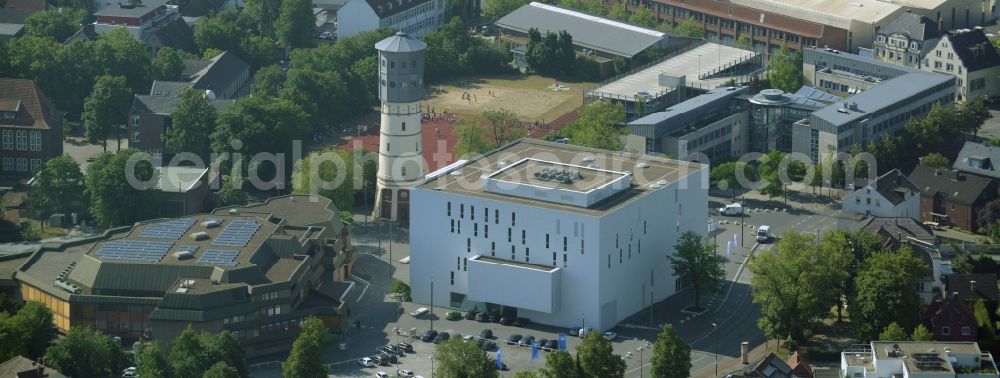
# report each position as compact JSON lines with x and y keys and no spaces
{"x":30,"y":128}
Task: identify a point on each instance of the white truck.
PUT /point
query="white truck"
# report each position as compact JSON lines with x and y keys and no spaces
{"x":731,"y":209}
{"x":763,"y":234}
{"x":420,"y":311}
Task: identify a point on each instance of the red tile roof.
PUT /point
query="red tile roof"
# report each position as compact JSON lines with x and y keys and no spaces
{"x":800,"y":365}
{"x":752,"y":16}
{"x":30,"y":5}
{"x":36,"y":111}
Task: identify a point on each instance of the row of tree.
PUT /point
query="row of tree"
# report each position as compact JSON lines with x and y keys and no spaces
{"x":453,"y":52}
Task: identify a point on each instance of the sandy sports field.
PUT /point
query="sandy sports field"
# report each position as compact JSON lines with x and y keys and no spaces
{"x":533,"y":98}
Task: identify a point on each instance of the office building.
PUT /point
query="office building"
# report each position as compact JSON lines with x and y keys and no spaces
{"x":914,"y":359}
{"x":413,"y":17}
{"x":30,"y":129}
{"x":561,"y":234}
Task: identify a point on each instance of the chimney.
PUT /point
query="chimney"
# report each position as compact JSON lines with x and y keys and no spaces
{"x":940,"y":26}
{"x":745,"y":352}
{"x":972,"y":286}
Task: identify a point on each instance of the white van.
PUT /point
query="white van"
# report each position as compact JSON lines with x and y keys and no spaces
{"x":419,"y":311}
{"x":731,"y":209}
{"x":763,"y":234}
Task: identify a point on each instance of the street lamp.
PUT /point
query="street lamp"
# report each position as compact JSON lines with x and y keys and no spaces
{"x":715,"y":327}
{"x":641,"y":349}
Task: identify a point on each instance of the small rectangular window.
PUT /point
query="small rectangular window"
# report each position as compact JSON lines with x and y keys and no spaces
{"x":496,"y":216}
{"x":524,"y":237}
{"x":472,"y":213}
{"x":564,"y":260}
{"x":486,"y":231}
{"x":513,"y":219}
{"x":493,"y":248}
{"x":404,"y":126}
{"x":465,"y":264}
{"x":475,"y":229}
{"x":468,"y":245}
{"x":565,"y":243}
{"x":527,"y":254}
{"x":581,"y":246}
{"x":461,"y":210}
{"x":512,"y":255}
{"x":553,"y":259}
{"x":509,"y":233}
{"x":459,"y":227}
{"x":546,"y":240}
{"x":453,"y":226}
{"x":458,"y":263}
{"x":449,"y":208}
{"x":453,"y":278}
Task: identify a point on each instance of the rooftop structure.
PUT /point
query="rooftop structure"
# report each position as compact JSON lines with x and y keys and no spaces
{"x":592,"y":32}
{"x":133,"y":9}
{"x":917,"y":358}
{"x":979,"y":159}
{"x":887,"y":93}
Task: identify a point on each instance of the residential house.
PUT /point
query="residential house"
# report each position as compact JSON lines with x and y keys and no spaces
{"x":973,"y":287}
{"x":890,"y":195}
{"x":950,"y":196}
{"x":413,"y":17}
{"x":979,"y":159}
{"x":897,"y":232}
{"x":155,"y":22}
{"x":30,"y":128}
{"x":254,"y":271}
{"x":769,"y":366}
{"x":906,"y":39}
{"x":971,"y":58}
{"x":800,"y":366}
{"x":905,"y":359}
{"x":23,"y":367}
{"x":151,"y":115}
{"x":950,"y":319}
{"x":226,"y":75}
{"x":13,"y":204}
{"x":13,"y":13}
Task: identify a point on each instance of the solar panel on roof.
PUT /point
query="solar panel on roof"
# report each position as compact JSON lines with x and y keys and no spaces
{"x":134,"y":250}
{"x":171,"y":229}
{"x":219,"y":257}
{"x":237,"y":233}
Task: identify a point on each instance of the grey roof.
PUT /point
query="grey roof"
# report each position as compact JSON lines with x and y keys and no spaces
{"x":682,"y":115}
{"x":166,"y":105}
{"x":951,"y":185}
{"x":854,"y":64}
{"x":399,"y":43}
{"x":221,"y":71}
{"x":174,"y":33}
{"x":593,"y":32}
{"x":86,"y":33}
{"x":320,"y":210}
{"x":14,"y":16}
{"x":168,"y":88}
{"x":21,"y":366}
{"x":985,"y":286}
{"x":817,"y":95}
{"x":979,"y":159}
{"x":11,"y":30}
{"x":885,"y":94}
{"x":144,"y":7}
{"x":913,"y":26}
{"x":974,"y":50}
{"x":893,"y":186}
{"x":895,"y":227}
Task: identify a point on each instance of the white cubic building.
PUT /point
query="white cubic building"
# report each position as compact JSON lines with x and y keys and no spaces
{"x":561,"y":234}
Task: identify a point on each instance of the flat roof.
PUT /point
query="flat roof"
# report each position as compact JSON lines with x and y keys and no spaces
{"x":179,"y":179}
{"x":523,"y":171}
{"x":118,"y":10}
{"x":925,"y":356}
{"x":836,"y":13}
{"x":467,"y":180}
{"x":296,"y":209}
{"x":884,"y":94}
{"x":708,"y":57}
{"x":590,"y":31}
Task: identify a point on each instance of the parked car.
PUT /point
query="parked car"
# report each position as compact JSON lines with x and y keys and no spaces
{"x":443,"y":336}
{"x":513,"y":339}
{"x":731,"y":209}
{"x":471,"y":315}
{"x":389,"y":358}
{"x":482,"y":317}
{"x":610,"y":335}
{"x":542,"y":342}
{"x":506,"y":320}
{"x":494,"y":317}
{"x":326,"y":35}
{"x":405,"y":346}
{"x":521,"y":322}
{"x":130,"y":372}
{"x":469,"y":338}
{"x":584,"y":331}
{"x":395,"y":350}
{"x":764,"y":234}
{"x":552,"y":345}
{"x":366,"y":362}
{"x":486,"y":344}
{"x":429,"y":336}
{"x":453,"y":315}
{"x":420,"y":311}
{"x":381,"y":374}
{"x":377,"y":359}
{"x":526,"y":341}
{"x":573,"y":331}
{"x":404,"y":373}
{"x":486,"y":334}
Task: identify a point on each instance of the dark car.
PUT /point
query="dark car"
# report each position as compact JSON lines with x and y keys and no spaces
{"x":542,"y":342}
{"x":429,"y":336}
{"x":573,"y":331}
{"x":486,"y":334}
{"x":406,"y":347}
{"x":443,"y":336}
{"x":486,"y":344}
{"x":389,"y":358}
{"x":506,"y":320}
{"x":494,"y":317}
{"x":377,"y":359}
{"x":394,"y":350}
{"x":502,"y":366}
{"x":482,"y":317}
{"x":521,"y":322}
{"x":526,"y":341}
{"x":470,"y":315}
{"x":552,"y":345}
{"x":513,"y":339}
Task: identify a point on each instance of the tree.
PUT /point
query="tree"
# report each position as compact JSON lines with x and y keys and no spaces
{"x":643,"y":17}
{"x":459,"y":359}
{"x":793,"y":284}
{"x":27,"y":333}
{"x":231,"y":193}
{"x":973,"y":114}
{"x":671,"y":355}
{"x":988,"y":215}
{"x":85,"y":352}
{"x":560,"y":364}
{"x":330,"y":174}
{"x":192,"y":126}
{"x":168,"y":64}
{"x":106,"y":108}
{"x":322,"y":95}
{"x":690,"y":28}
{"x":698,"y":265}
{"x":151,"y":362}
{"x":987,"y":329}
{"x":223,"y":31}
{"x":884,"y":292}
{"x":472,"y":139}
{"x":496,"y":9}
{"x":726,"y":175}
{"x":400,"y":291}
{"x":502,"y":127}
{"x":107,"y":185}
{"x":597,"y":357}
{"x":618,"y":12}
{"x":744,"y":42}
{"x":597,"y":126}
{"x":296,"y":24}
{"x":920,"y":333}
{"x":221,"y":370}
{"x":306,"y":358}
{"x":256,"y":123}
{"x":527,"y":374}
{"x":772,"y":186}
{"x":268,"y":81}
{"x":893,"y":332}
{"x":58,"y":25}
{"x":264,"y":14}
{"x":58,"y":187}
{"x":784,"y":70}
{"x":935,"y":160}
{"x":119,"y":53}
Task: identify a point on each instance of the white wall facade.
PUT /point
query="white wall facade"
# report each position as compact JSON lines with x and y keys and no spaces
{"x":355,"y":17}
{"x":601,"y":283}
{"x":869,"y":201}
